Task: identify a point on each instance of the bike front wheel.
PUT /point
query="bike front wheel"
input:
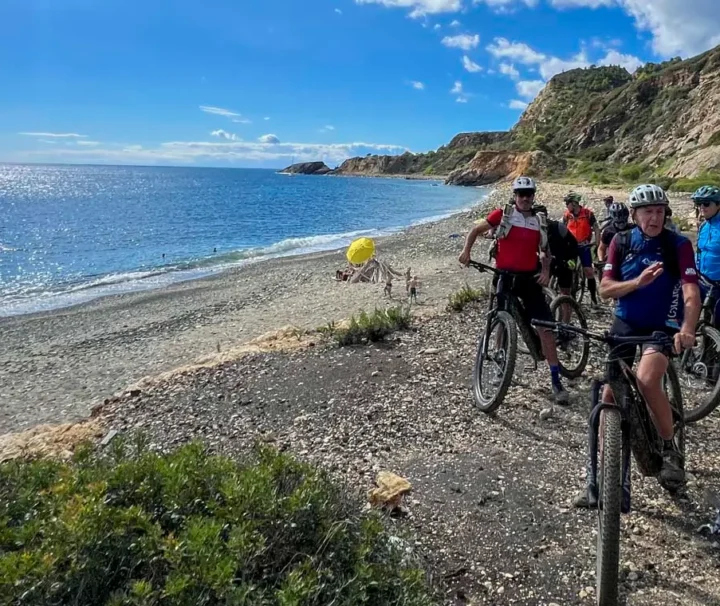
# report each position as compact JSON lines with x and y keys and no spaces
{"x":610,"y":502}
{"x":699,"y":372}
{"x":573,"y":350}
{"x":495,"y":362}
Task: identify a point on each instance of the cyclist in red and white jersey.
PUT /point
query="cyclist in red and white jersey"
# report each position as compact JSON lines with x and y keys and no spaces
{"x":521,"y":249}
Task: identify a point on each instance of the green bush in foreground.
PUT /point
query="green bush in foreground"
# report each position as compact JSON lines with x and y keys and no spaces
{"x":375,"y":326}
{"x":191,"y":529}
{"x":458,"y":300}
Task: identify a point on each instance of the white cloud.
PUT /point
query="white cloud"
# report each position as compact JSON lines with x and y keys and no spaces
{"x":506,"y":6}
{"x":58,"y":135}
{"x":182,"y":152}
{"x":551,"y":66}
{"x":455,"y":23}
{"x":219,"y":111}
{"x":242,"y":121}
{"x":629,"y":62}
{"x":266,"y":118}
{"x":470,"y":65}
{"x":88,"y":143}
{"x":419,"y":7}
{"x":437,"y":26}
{"x":508,"y":69}
{"x":269,"y":139}
{"x":329,"y":127}
{"x":518,"y":51}
{"x":684,"y":27}
{"x":338,"y":11}
{"x":517,"y":104}
{"x":223,"y":134}
{"x":463,"y":41}
{"x":461,"y":95}
{"x":417,"y":85}
{"x":581,"y":3}
{"x":48,"y":141}
{"x":529,"y":88}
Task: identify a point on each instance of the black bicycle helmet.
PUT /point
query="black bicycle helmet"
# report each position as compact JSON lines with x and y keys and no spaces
{"x":619,"y":214}
{"x":573,"y":197}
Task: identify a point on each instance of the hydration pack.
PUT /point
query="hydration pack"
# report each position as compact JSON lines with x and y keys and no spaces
{"x":668,"y":248}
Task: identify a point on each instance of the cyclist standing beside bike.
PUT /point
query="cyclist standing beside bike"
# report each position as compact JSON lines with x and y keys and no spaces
{"x":619,"y":223}
{"x":520,"y":241}
{"x":651,"y":271}
{"x":582,"y":224}
{"x":563,"y":249}
{"x":707,"y":201}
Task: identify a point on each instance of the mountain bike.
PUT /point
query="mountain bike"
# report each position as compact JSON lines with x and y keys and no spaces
{"x":614,"y":432}
{"x":700,"y":366}
{"x":498,"y":346}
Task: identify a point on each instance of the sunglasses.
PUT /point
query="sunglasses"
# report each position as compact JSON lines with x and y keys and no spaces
{"x":704,"y":203}
{"x":525,"y":193}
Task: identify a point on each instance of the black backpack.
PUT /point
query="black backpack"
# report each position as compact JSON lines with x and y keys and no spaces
{"x":668,"y":248}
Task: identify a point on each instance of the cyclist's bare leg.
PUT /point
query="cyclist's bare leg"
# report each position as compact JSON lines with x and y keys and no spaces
{"x":650,"y":372}
{"x":547,"y":339}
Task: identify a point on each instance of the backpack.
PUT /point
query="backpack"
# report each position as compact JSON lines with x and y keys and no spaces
{"x":668,"y":247}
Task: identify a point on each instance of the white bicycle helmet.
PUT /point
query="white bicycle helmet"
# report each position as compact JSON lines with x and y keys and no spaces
{"x":648,"y":195}
{"x":524,"y":183}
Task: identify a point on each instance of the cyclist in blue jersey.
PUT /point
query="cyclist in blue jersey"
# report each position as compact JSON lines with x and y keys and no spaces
{"x":707,"y":201}
{"x":651,"y":272}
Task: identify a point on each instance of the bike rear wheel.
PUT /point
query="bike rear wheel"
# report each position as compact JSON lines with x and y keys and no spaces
{"x":610,"y":501}
{"x":493,"y":372}
{"x":574,"y":351}
{"x":700,"y":370}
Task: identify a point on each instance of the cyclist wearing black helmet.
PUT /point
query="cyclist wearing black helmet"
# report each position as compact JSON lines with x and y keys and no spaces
{"x":563,"y":249}
{"x":619,"y":215}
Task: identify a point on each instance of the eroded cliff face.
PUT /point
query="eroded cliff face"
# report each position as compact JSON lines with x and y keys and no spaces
{"x":491,"y":166}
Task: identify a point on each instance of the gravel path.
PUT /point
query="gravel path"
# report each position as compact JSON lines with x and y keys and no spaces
{"x":489,"y":508}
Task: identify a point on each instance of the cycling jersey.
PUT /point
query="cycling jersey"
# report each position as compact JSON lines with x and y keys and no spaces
{"x":708,"y":248}
{"x":659,"y":304}
{"x":581,"y":226}
{"x":609,"y":233}
{"x":518,"y":250}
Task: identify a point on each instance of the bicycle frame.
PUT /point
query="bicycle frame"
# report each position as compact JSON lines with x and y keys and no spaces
{"x":502,"y":299}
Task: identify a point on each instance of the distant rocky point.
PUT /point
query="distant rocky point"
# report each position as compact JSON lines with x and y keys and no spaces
{"x":307,"y":168}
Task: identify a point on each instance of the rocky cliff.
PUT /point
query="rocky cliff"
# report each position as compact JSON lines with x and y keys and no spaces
{"x":307,"y":168}
{"x":601,"y":124}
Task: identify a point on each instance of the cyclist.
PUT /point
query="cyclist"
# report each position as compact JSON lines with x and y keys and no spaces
{"x":519,"y":234}
{"x":582,"y":224}
{"x":619,"y":223}
{"x":605,"y":221}
{"x":563,"y":249}
{"x":651,"y":272}
{"x":707,"y":201}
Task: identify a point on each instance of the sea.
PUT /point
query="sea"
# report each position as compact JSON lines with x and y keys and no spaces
{"x":70,"y":234}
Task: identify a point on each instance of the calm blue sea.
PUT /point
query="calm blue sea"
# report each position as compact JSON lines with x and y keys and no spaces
{"x":69,"y":234}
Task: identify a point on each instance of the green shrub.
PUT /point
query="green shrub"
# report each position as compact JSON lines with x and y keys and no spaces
{"x":458,"y":300}
{"x":631,"y":172}
{"x":691,"y":184}
{"x":191,"y":529}
{"x":375,"y":326}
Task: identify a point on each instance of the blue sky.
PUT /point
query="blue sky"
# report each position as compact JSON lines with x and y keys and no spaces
{"x":260,"y":83}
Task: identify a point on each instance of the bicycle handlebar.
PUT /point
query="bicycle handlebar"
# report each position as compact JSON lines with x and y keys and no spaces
{"x":482,"y":267}
{"x":709,"y":280}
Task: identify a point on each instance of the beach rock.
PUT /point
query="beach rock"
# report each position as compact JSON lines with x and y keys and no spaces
{"x":490,"y":166}
{"x":307,"y":168}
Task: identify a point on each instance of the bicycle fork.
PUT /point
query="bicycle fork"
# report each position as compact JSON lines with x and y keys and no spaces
{"x":597,"y":406}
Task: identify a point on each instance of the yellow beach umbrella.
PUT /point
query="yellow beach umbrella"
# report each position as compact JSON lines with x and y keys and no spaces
{"x":360,"y":251}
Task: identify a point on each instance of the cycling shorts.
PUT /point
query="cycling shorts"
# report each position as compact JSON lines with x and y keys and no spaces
{"x":563,"y":274}
{"x":532,"y":297}
{"x":585,"y":254}
{"x":627,"y":352}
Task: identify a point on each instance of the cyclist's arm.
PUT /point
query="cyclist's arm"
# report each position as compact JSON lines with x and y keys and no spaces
{"x":602,"y":250}
{"x":612,"y":286}
{"x":493,"y":220}
{"x":690,"y":288}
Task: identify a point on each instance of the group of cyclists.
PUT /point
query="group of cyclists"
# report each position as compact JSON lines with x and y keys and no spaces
{"x":648,"y":268}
